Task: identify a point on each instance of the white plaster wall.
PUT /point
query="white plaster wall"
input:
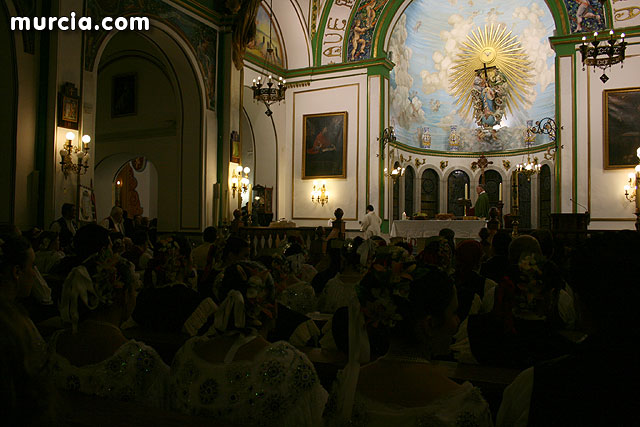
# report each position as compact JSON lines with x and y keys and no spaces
{"x":603,"y":193}
{"x":292,"y":24}
{"x":176,"y":145}
{"x":565,"y":125}
{"x":375,"y":98}
{"x":65,"y":66}
{"x":261,"y":129}
{"x":329,"y":95}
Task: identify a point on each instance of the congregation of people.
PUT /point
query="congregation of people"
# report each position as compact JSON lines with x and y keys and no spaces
{"x":77,"y":301}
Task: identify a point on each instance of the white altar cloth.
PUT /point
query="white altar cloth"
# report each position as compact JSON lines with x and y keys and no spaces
{"x":427,"y":228}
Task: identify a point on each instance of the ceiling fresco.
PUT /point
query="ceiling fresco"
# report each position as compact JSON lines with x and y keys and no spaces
{"x":427,"y":43}
{"x":259,"y":45}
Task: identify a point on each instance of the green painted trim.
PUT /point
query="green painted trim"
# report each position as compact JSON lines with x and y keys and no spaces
{"x":384,"y":227}
{"x":559,"y":14}
{"x":574,"y":187}
{"x":565,"y":49}
{"x":439,"y":153}
{"x":345,"y":39}
{"x":380,"y":35}
{"x":319,"y":36}
{"x":378,"y":63}
{"x":263,"y":65}
{"x":382,"y":69}
{"x":576,"y":38}
{"x":558,"y":159}
{"x":381,"y":189}
{"x":608,"y":12}
{"x":556,"y":8}
{"x":367,"y":182}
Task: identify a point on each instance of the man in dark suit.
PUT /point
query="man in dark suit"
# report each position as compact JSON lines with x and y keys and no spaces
{"x":65,"y":226}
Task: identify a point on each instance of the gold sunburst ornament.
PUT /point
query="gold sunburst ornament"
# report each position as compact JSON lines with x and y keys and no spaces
{"x":492,"y":73}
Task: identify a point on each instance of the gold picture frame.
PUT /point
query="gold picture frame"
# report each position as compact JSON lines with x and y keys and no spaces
{"x":324,"y":145}
{"x":621,"y":130}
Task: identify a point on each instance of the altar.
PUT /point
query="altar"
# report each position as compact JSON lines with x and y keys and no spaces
{"x":464,"y":229}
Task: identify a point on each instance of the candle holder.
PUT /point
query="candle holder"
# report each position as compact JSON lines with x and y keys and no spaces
{"x":604,"y":55}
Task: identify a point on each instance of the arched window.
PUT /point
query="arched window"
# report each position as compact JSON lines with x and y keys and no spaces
{"x":455,"y":191}
{"x":493,"y":179}
{"x":396,"y":195}
{"x":409,"y":180}
{"x":524,"y":194}
{"x":430,"y":193}
{"x":544,"y":180}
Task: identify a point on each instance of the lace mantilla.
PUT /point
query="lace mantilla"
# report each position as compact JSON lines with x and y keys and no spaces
{"x":463,"y":408}
{"x":278,"y":387}
{"x":134,"y":373}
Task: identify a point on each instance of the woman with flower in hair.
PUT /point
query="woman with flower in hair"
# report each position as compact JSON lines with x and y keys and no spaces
{"x":93,"y":356}
{"x":166,"y":301}
{"x":297,"y":293}
{"x":234,"y":374}
{"x":415,"y":309}
{"x":519,"y":319}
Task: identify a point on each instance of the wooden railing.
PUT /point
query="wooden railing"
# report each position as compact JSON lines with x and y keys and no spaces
{"x":265,"y":240}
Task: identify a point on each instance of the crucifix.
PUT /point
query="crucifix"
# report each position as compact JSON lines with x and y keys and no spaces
{"x":481,"y":163}
{"x":485,"y":69}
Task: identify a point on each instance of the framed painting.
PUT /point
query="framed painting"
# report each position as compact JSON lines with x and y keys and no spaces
{"x":621,"y":127}
{"x":68,"y":107}
{"x":124,"y":95}
{"x":324,"y":150}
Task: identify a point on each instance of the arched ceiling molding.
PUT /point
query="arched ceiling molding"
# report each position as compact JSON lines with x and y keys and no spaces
{"x":394,"y":10}
{"x":295,"y":34}
{"x":388,"y":17}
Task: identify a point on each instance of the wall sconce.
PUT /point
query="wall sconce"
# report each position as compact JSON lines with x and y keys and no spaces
{"x":240,"y":182}
{"x":319,"y":194}
{"x":82,"y":155}
{"x":631,"y":189}
{"x":395,"y":173}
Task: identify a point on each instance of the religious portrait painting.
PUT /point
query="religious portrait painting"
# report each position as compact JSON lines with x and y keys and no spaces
{"x":68,"y":106}
{"x":124,"y":95}
{"x":324,"y":151}
{"x":621,"y":127}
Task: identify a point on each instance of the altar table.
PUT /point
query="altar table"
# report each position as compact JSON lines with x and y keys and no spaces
{"x":427,"y":228}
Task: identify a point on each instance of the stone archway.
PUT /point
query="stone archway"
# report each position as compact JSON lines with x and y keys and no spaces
{"x":170,"y":131}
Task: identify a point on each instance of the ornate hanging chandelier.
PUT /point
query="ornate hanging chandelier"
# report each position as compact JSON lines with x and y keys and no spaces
{"x":267,"y":89}
{"x":603,"y":55}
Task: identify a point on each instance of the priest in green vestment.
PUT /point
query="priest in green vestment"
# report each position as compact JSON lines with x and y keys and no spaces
{"x":482,"y":204}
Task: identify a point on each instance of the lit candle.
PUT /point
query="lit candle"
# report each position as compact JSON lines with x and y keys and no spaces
{"x":466,"y":191}
{"x":622,"y":36}
{"x":584,"y":40}
{"x":500,"y":192}
{"x":250,"y":199}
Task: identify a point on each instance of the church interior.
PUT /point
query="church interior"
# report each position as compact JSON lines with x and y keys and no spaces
{"x":301,"y":129}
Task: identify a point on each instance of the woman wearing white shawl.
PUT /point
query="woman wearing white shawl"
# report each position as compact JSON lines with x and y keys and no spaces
{"x":416,"y":310}
{"x":234,"y":374}
{"x":93,"y":356}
